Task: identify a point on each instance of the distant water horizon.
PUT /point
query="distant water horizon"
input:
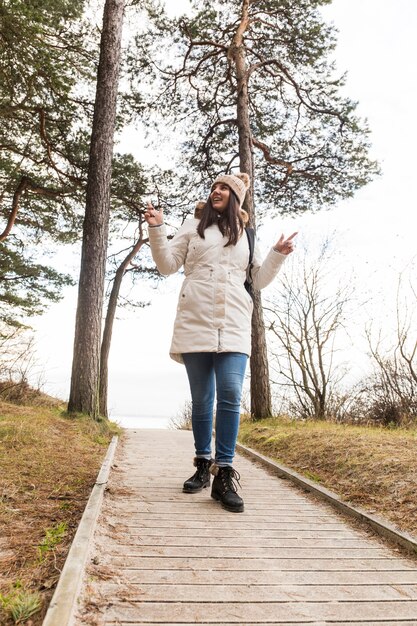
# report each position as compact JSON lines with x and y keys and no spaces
{"x":142,"y":421}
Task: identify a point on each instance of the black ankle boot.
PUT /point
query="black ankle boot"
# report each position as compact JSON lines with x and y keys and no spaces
{"x":201,"y":478}
{"x":224,"y":487}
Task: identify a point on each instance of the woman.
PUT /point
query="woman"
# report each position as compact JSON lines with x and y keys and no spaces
{"x":212,"y":330}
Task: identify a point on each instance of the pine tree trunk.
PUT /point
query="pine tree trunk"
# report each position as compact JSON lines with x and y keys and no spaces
{"x":260,"y":385}
{"x":84,"y":393}
{"x":105,"y":344}
{"x":260,"y":389}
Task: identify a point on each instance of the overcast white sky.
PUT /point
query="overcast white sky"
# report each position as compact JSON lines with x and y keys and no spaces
{"x":376,"y":230}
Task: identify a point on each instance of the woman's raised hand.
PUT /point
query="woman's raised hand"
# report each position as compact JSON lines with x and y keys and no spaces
{"x":153,"y":216}
{"x":285,"y":246}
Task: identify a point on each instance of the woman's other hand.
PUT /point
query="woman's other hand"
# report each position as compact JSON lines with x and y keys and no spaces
{"x":285,"y":246}
{"x":152,"y":216}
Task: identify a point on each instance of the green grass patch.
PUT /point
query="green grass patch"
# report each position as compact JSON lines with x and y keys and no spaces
{"x":53,"y":536}
{"x":19,"y":604}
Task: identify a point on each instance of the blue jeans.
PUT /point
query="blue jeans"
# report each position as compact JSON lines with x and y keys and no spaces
{"x":210,"y":372}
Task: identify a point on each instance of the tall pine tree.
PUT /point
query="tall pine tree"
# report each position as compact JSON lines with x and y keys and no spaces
{"x":43,"y":56}
{"x":84,"y":393}
{"x":250,"y":85}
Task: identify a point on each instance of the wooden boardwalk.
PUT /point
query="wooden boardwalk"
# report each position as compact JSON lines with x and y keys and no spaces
{"x":163,"y":557}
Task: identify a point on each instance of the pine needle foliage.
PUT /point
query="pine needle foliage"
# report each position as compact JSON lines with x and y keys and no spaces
{"x":310,"y":147}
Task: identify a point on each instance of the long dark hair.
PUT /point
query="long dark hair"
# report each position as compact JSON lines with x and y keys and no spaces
{"x":230,"y":222}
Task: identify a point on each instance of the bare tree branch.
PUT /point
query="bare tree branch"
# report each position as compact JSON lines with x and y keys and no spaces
{"x":26,"y":183}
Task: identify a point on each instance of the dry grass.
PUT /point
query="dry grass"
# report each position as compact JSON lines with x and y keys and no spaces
{"x":21,"y":393}
{"x":374,"y":468}
{"x":48,"y":465}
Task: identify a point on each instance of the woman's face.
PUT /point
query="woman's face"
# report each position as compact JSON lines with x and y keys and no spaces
{"x":219,"y":196}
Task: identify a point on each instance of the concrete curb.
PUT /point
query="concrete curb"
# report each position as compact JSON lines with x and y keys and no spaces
{"x":379,"y":525}
{"x":63,"y":604}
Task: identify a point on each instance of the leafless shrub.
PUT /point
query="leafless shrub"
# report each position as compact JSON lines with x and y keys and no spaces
{"x":391,"y":392}
{"x":17,"y":361}
{"x":306,"y":317}
{"x":374,"y":402}
{"x":245,"y":403}
{"x":182,"y":421}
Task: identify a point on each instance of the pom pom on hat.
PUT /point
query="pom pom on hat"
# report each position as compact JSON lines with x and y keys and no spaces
{"x":198,"y":211}
{"x":239,"y":183}
{"x":245,"y":178}
{"x":244,"y":216}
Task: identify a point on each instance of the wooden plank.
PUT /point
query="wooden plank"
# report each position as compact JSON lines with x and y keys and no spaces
{"x":277,"y":577}
{"x":140,"y":540}
{"x":203,"y":501}
{"x":286,"y":495}
{"x":207,"y":505}
{"x":244,"y":563}
{"x":276,"y":622}
{"x":178,"y":495}
{"x":174,"y":489}
{"x":217,"y":514}
{"x":237,"y":612}
{"x":182,"y":503}
{"x":224,"y":534}
{"x":250,"y":552}
{"x":189,"y":522}
{"x":257,"y":593}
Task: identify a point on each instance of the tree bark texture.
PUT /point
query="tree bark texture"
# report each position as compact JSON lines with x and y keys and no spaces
{"x":84,"y":393}
{"x":106,"y":341}
{"x":260,"y":389}
{"x":260,"y":384}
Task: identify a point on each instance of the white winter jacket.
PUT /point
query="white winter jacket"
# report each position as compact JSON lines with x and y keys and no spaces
{"x":214,"y":309}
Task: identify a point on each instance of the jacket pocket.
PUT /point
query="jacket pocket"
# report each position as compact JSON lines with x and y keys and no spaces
{"x":183,"y":297}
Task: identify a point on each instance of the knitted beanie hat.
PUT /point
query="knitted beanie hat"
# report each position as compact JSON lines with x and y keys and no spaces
{"x":239,"y":183}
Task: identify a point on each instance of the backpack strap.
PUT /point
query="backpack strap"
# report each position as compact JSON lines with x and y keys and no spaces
{"x":250,"y":233}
